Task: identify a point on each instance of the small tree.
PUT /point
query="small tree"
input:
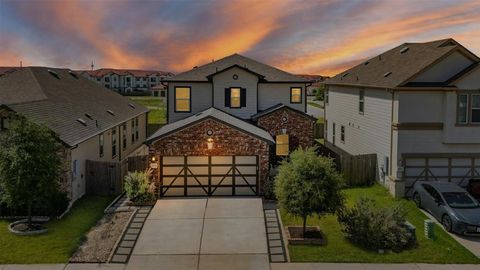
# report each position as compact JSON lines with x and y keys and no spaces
{"x":30,"y":165}
{"x":308,"y":184}
{"x":320,"y":93}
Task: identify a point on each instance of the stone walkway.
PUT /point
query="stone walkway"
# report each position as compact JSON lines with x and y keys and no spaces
{"x":276,"y":248}
{"x":125,"y":247}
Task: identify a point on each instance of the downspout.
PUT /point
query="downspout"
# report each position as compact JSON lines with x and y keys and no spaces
{"x":166,"y":86}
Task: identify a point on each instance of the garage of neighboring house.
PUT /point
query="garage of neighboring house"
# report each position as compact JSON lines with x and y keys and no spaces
{"x":456,"y":168}
{"x":210,"y":153}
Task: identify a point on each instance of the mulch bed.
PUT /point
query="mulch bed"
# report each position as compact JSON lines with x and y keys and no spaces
{"x":101,"y":239}
{"x":313,"y":236}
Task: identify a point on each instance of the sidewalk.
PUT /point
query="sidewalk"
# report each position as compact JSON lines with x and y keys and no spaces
{"x":369,"y":266}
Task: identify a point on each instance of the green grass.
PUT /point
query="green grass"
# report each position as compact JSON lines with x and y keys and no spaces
{"x":60,"y":242}
{"x":157,"y":114}
{"x":314,"y":104}
{"x":321,"y":120}
{"x":444,"y":249}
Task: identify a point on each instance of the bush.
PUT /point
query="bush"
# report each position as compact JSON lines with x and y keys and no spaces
{"x":138,"y":187}
{"x":308,"y":184}
{"x":375,"y":228}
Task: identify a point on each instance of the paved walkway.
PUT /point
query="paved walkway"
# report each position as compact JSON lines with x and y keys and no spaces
{"x":368,"y":266}
{"x":188,"y":234}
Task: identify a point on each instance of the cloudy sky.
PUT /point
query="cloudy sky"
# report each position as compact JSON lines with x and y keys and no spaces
{"x":310,"y":36}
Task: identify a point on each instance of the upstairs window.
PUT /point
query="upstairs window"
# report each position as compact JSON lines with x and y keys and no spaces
{"x":333,"y":133}
{"x":136,"y":129}
{"x":342,"y":134}
{"x":114,"y":143}
{"x":282,"y":145}
{"x":361,"y":101}
{"x":326,"y":96}
{"x":235,"y":97}
{"x":182,"y":99}
{"x":462,"y":109}
{"x":295,"y":95}
{"x":132,"y":131}
{"x":4,"y":123}
{"x":476,"y":109}
{"x":124,"y":136}
{"x":101,"y":143}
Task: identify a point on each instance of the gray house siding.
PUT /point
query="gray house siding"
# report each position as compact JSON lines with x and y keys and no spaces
{"x":270,"y":94}
{"x":201,"y":99}
{"x":245,"y":80}
{"x":445,"y":69}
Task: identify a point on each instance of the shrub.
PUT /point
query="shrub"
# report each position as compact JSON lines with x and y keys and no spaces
{"x":138,"y":187}
{"x":375,"y":228}
{"x":308,"y":184}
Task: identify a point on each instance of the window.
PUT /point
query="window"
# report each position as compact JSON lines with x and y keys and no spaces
{"x":114,"y":143}
{"x":361,"y":101}
{"x":462,"y":109}
{"x":282,"y":145}
{"x":101,"y":143}
{"x":182,"y":99}
{"x":342,"y":134}
{"x":234,"y":97}
{"x":326,"y":130}
{"x":107,"y":79}
{"x":326,"y":96}
{"x":333,"y":133}
{"x":152,"y":79}
{"x":476,"y":108}
{"x":124,"y":136}
{"x":133,"y":131}
{"x":136,"y":129}
{"x":3,"y":123}
{"x":295,"y":95}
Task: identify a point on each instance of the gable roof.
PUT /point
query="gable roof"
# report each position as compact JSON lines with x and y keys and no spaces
{"x":215,"y":114}
{"x":58,"y":97}
{"x":277,"y":107}
{"x":269,"y":73}
{"x":395,"y":67}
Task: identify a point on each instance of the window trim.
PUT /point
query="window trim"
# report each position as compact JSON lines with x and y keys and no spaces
{"x":189,"y":99}
{"x":291,"y":95}
{"x":342,"y":133}
{"x":361,"y":101}
{"x":472,"y":108}
{"x":287,"y":144}
{"x":466,"y":111}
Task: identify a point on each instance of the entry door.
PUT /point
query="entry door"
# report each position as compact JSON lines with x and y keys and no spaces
{"x":208,"y":176}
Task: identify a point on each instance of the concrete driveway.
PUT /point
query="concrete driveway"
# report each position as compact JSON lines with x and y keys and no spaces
{"x":212,"y":233}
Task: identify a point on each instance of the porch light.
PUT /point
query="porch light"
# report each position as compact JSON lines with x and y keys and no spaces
{"x":153,"y":159}
{"x":209,"y":143}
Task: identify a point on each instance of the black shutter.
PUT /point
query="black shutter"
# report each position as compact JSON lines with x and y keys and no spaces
{"x":227,"y":97}
{"x":243,"y":97}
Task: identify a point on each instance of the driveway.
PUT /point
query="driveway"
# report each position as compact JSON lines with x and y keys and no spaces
{"x":203,"y":234}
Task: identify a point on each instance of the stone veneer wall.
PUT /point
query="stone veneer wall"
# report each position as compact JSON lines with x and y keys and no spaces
{"x":299,"y":127}
{"x":227,"y":140}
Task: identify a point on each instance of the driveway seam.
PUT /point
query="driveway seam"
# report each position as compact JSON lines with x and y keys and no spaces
{"x":201,"y":235}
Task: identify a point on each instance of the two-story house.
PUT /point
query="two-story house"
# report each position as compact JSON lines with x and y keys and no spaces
{"x":92,"y":122}
{"x":227,"y":120}
{"x":417,"y":106}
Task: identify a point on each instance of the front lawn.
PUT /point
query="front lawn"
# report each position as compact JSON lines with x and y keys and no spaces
{"x":314,"y":104}
{"x":444,"y":249}
{"x":61,"y":240}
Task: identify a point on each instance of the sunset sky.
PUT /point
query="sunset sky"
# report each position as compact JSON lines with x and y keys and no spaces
{"x":311,"y":36}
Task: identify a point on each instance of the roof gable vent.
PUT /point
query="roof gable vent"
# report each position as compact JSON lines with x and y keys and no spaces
{"x":344,"y":75}
{"x":81,"y":121}
{"x":404,"y":50}
{"x":131,"y":105}
{"x":73,"y":74}
{"x":110,"y":112}
{"x":89,"y":116}
{"x":53,"y":73}
{"x":387,"y":74}
{"x":366,"y":63}
{"x":448,"y":43}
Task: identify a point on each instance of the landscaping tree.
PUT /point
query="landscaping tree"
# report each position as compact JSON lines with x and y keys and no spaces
{"x":320,"y":93}
{"x":30,"y":166}
{"x":308,"y":184}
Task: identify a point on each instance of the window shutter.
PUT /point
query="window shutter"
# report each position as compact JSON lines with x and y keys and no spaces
{"x":243,"y":97}
{"x":227,"y":97}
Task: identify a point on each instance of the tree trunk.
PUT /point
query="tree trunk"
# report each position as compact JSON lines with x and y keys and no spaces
{"x":29,"y":215}
{"x":304,"y":225}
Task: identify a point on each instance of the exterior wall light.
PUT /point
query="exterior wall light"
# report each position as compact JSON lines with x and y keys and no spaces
{"x":153,"y":159}
{"x":209,"y":143}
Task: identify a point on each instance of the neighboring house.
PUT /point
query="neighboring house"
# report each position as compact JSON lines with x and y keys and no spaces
{"x":317,"y":82}
{"x":227,"y":120}
{"x":126,"y":81}
{"x":92,"y":122}
{"x":417,"y":106}
{"x":159,"y":91}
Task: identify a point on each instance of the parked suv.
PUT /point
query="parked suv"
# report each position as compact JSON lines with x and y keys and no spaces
{"x":474,"y":188}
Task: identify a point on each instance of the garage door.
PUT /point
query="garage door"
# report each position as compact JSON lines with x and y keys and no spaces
{"x":456,"y":169}
{"x":208,"y":176}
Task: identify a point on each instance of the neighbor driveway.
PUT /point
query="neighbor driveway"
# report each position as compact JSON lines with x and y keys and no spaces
{"x":203,"y":234}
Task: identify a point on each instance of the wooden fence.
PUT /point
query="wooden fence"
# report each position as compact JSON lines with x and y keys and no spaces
{"x":318,"y":131}
{"x":106,"y":178}
{"x":358,"y":170}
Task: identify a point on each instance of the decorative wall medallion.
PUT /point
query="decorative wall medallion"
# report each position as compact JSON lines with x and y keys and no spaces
{"x":284,"y":119}
{"x":209,"y":132}
{"x":235,"y":76}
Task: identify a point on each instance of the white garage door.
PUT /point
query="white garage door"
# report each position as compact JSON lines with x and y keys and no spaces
{"x":456,"y":169}
{"x":208,"y":176}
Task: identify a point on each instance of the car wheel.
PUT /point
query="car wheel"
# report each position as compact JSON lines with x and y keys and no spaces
{"x":417,"y":200}
{"x":447,"y":223}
